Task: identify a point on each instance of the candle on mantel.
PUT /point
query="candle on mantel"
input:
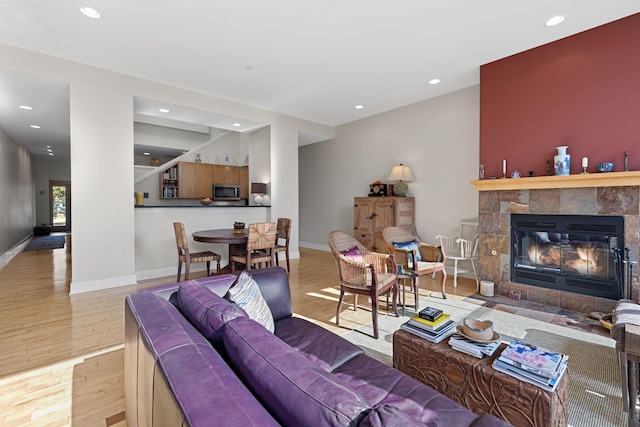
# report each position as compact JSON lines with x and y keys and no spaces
{"x":504,"y":167}
{"x":585,"y":162}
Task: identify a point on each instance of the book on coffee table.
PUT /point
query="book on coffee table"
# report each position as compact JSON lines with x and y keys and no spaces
{"x":431,"y":326}
{"x":432,"y":336}
{"x":474,"y":348}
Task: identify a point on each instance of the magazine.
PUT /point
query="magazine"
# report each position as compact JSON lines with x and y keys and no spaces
{"x":549,"y":384}
{"x":534,"y":358}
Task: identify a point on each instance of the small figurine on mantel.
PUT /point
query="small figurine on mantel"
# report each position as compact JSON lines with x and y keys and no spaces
{"x":626,"y":161}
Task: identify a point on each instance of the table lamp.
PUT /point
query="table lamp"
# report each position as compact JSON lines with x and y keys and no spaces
{"x":401,"y":174}
{"x":259,"y":189}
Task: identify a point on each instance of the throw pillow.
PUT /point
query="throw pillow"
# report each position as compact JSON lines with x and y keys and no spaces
{"x":246,"y":294}
{"x":353,"y":254}
{"x":412,"y":245}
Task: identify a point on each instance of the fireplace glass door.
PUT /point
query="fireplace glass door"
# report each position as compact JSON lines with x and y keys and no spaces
{"x":573,"y":253}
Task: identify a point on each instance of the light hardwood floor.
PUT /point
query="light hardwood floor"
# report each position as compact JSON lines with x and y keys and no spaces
{"x":61,"y":356}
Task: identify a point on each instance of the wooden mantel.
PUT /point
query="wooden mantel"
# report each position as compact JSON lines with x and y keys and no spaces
{"x":609,"y":179}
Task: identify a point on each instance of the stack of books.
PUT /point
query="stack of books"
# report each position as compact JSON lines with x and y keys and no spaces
{"x":532,"y":364}
{"x":473,"y":348}
{"x":431,"y":324}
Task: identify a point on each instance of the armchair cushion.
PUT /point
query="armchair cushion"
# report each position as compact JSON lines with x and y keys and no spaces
{"x":353,"y":253}
{"x":412,"y":246}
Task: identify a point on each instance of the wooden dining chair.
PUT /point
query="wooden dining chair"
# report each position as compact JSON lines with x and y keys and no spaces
{"x":283,"y":234}
{"x":186,"y":257}
{"x":260,"y":244}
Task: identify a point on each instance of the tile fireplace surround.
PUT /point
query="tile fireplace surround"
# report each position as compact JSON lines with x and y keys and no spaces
{"x":616,"y":193}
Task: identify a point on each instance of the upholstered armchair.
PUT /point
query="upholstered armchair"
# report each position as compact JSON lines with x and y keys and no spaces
{"x":407,"y":248}
{"x":361,"y":271}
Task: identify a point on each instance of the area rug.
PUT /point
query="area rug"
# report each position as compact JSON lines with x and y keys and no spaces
{"x":595,"y":396}
{"x":46,"y":242}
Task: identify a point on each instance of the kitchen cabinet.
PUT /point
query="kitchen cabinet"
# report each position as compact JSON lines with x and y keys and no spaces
{"x":372,"y":214}
{"x":188,"y":180}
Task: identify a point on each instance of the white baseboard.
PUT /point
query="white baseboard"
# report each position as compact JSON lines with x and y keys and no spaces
{"x":98,"y":285}
{"x":314,"y":246}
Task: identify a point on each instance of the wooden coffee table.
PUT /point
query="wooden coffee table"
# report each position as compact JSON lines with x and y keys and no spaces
{"x":473,"y":383}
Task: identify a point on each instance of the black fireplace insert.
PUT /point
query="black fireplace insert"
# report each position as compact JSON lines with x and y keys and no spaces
{"x":572,"y":253}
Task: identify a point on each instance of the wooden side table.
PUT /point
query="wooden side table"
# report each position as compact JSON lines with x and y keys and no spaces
{"x":411,"y":277}
{"x":473,"y":383}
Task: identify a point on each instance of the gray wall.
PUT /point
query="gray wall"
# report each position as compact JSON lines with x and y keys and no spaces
{"x":437,"y":138}
{"x":17,"y":183}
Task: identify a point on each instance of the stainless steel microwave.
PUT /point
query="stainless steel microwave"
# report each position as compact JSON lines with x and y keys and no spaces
{"x":222,"y":192}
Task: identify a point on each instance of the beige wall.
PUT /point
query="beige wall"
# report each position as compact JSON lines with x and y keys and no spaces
{"x":17,"y":183}
{"x":437,"y":138}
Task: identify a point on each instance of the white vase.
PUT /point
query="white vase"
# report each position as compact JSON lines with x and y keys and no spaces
{"x":562,"y":161}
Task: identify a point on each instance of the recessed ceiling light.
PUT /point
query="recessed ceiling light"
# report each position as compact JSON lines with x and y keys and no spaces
{"x":163,"y":110}
{"x":51,"y":154}
{"x":48,"y":146}
{"x":555,"y":20}
{"x":359,"y":107}
{"x":147,"y":154}
{"x":434,"y":81}
{"x":49,"y":150}
{"x":90,"y":12}
{"x":35,"y":126}
{"x":25,"y":107}
{"x":237,"y":124}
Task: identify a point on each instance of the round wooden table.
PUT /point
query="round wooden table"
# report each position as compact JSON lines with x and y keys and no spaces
{"x":236,"y":239}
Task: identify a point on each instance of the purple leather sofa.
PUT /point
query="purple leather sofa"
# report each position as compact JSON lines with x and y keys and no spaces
{"x":192,"y":358}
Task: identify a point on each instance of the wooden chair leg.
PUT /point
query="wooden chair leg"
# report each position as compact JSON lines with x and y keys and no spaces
{"x":179,"y":270}
{"x":208,"y":268}
{"x":286,"y":254}
{"x":355,"y":302}
{"x":186,"y":270}
{"x":374,"y":313}
{"x":395,"y":299}
{"x":218,"y":267}
{"x":339,"y":306}
{"x":444,"y":283}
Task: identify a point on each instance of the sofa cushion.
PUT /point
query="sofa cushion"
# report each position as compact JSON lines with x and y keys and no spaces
{"x":381,"y":384}
{"x":246,"y":294}
{"x":388,"y":416}
{"x":206,"y":388}
{"x":274,"y":286}
{"x":205,"y":310}
{"x":296,"y":391}
{"x":326,"y":349}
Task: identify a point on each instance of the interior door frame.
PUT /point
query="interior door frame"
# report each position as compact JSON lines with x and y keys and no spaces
{"x":67,"y":184}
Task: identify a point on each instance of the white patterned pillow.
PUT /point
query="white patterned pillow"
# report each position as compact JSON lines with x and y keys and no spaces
{"x":246,"y":294}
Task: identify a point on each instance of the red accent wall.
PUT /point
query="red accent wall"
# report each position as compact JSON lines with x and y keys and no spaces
{"x":582,"y":91}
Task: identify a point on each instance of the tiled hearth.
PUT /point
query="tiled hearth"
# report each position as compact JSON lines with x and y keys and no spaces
{"x":496,"y":206}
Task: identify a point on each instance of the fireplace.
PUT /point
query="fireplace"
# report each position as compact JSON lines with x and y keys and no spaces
{"x":572,"y":253}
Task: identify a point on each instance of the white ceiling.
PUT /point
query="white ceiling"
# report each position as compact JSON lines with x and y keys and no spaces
{"x":314,"y":60}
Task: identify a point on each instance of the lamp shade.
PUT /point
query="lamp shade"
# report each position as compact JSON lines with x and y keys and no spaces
{"x":401,"y":173}
{"x":258,"y":188}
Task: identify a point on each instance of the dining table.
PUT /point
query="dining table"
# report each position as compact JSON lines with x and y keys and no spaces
{"x":236,"y":239}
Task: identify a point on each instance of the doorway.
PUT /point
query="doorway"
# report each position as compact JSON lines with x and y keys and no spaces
{"x":60,"y":205}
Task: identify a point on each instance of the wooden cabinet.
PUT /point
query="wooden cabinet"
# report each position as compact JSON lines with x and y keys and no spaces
{"x":225,"y":174}
{"x":187,"y":180}
{"x":243,"y":176}
{"x":194,"y":180}
{"x":372,"y":214}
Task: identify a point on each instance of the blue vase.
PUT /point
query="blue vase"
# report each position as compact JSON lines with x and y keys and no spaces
{"x":562,"y":161}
